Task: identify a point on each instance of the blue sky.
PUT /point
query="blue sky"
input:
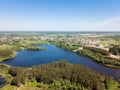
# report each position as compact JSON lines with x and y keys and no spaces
{"x":60,"y":15}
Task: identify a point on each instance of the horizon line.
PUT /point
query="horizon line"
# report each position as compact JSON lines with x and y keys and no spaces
{"x":55,"y":31}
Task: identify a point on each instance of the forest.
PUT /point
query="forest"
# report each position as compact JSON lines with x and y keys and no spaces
{"x":62,"y":76}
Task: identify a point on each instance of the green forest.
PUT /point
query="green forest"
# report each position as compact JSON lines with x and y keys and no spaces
{"x":61,"y":76}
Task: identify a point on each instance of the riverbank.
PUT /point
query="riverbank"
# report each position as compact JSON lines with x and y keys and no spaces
{"x":101,"y":59}
{"x":33,"y":47}
{"x":12,"y":55}
{"x":100,"y":56}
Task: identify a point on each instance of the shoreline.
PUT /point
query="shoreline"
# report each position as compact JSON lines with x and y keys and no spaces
{"x":9,"y":57}
{"x":15,"y":53}
{"x":106,"y":65}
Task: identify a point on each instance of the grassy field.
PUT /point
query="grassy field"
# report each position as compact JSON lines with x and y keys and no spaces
{"x":27,"y":86}
{"x":8,"y":87}
{"x":109,"y":42}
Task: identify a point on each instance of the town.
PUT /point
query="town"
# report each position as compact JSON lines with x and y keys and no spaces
{"x":90,"y":40}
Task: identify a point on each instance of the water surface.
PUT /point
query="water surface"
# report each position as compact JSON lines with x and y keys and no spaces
{"x":27,"y":58}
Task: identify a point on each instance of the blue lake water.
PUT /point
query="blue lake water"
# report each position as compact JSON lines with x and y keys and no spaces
{"x":27,"y":58}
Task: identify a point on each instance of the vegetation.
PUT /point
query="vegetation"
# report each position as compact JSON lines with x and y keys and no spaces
{"x":4,"y":73}
{"x":31,"y":47}
{"x":6,"y":53}
{"x":115,"y":49}
{"x":110,"y":40}
{"x":99,"y":55}
{"x":97,"y":50}
{"x":64,"y":45}
{"x":60,"y":76}
{"x":27,"y":44}
{"x":100,"y":58}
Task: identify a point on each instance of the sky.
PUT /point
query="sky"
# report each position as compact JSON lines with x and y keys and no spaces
{"x":60,"y":15}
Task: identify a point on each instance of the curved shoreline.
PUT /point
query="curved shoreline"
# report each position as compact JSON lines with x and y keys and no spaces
{"x":9,"y":57}
{"x":106,"y":65}
{"x":15,"y":53}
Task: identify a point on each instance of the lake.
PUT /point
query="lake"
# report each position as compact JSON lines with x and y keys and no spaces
{"x":27,"y":58}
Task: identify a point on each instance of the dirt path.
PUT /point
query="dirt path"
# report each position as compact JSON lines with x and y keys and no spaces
{"x":19,"y":88}
{"x":115,"y":56}
{"x":80,"y":48}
